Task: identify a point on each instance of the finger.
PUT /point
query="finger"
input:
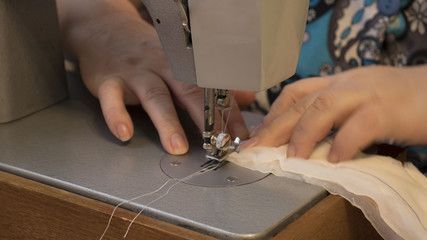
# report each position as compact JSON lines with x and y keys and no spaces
{"x":365,"y":126}
{"x":157,"y":102}
{"x":329,"y":109}
{"x":187,"y":95}
{"x":110,"y":95}
{"x":293,"y":93}
{"x":243,"y":98}
{"x":191,"y":97}
{"x":278,"y":131}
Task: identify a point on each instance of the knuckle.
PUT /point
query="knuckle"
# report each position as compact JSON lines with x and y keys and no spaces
{"x":108,"y":85}
{"x":189,"y":92}
{"x":292,"y":92}
{"x":189,"y":89}
{"x":298,"y":108}
{"x":288,"y":98}
{"x":154,"y":93}
{"x":132,"y":60}
{"x":324,"y":102}
{"x":192,"y":90}
{"x":112,"y":112}
{"x":103,"y":90}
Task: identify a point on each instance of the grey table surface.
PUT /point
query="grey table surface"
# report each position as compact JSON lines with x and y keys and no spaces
{"x":69,"y":146}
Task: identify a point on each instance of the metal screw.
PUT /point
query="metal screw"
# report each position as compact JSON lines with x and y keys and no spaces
{"x":175,"y":163}
{"x":232,"y":179}
{"x":223,"y":141}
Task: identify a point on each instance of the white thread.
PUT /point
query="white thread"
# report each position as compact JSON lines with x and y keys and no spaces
{"x":204,"y":170}
{"x":221,"y":113}
{"x":210,"y":168}
{"x":145,"y":207}
{"x":229,"y":113}
{"x":130,"y":200}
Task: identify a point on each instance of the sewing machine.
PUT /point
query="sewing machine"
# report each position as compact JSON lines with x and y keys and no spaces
{"x":66,"y":148}
{"x":224,"y":45}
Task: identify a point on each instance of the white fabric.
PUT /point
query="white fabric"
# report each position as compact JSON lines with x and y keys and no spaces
{"x":391,"y":195}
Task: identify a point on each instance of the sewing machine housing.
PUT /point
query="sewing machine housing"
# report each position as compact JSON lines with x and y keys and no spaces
{"x":69,"y":147}
{"x":246,"y":45}
{"x":220,"y":45}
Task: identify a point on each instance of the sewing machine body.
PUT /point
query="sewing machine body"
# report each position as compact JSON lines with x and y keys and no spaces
{"x":229,"y":44}
{"x":69,"y":146}
{"x":246,"y":45}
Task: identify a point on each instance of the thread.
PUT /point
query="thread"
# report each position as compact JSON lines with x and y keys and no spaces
{"x":128,"y":201}
{"x":229,"y":113}
{"x":199,"y":172}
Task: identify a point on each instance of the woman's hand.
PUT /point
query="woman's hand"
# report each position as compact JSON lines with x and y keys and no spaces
{"x":368,"y":104}
{"x":122,"y":62}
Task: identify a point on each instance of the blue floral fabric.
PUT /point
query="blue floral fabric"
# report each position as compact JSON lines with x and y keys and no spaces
{"x":344,"y":34}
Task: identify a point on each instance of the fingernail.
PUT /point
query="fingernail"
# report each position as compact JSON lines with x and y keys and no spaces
{"x":291,"y":151}
{"x":250,"y":143}
{"x":123,"y":132}
{"x":241,"y":131}
{"x":179,"y":145}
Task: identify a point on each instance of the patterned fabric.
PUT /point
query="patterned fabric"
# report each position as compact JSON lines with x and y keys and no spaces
{"x":343,"y":34}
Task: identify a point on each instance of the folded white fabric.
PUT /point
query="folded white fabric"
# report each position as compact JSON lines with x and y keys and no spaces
{"x":392,"y":195}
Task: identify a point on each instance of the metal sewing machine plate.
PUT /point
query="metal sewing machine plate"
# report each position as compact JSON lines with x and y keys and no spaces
{"x":227,"y":174}
{"x":70,"y":147}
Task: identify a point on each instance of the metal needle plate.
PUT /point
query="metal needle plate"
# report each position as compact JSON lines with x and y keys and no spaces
{"x":229,"y":174}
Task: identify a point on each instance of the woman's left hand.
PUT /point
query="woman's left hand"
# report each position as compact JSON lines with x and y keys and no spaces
{"x":368,"y":104}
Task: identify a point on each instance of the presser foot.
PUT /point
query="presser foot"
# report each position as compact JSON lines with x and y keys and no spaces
{"x":224,"y":173}
{"x":215,"y":172}
{"x":219,"y":146}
